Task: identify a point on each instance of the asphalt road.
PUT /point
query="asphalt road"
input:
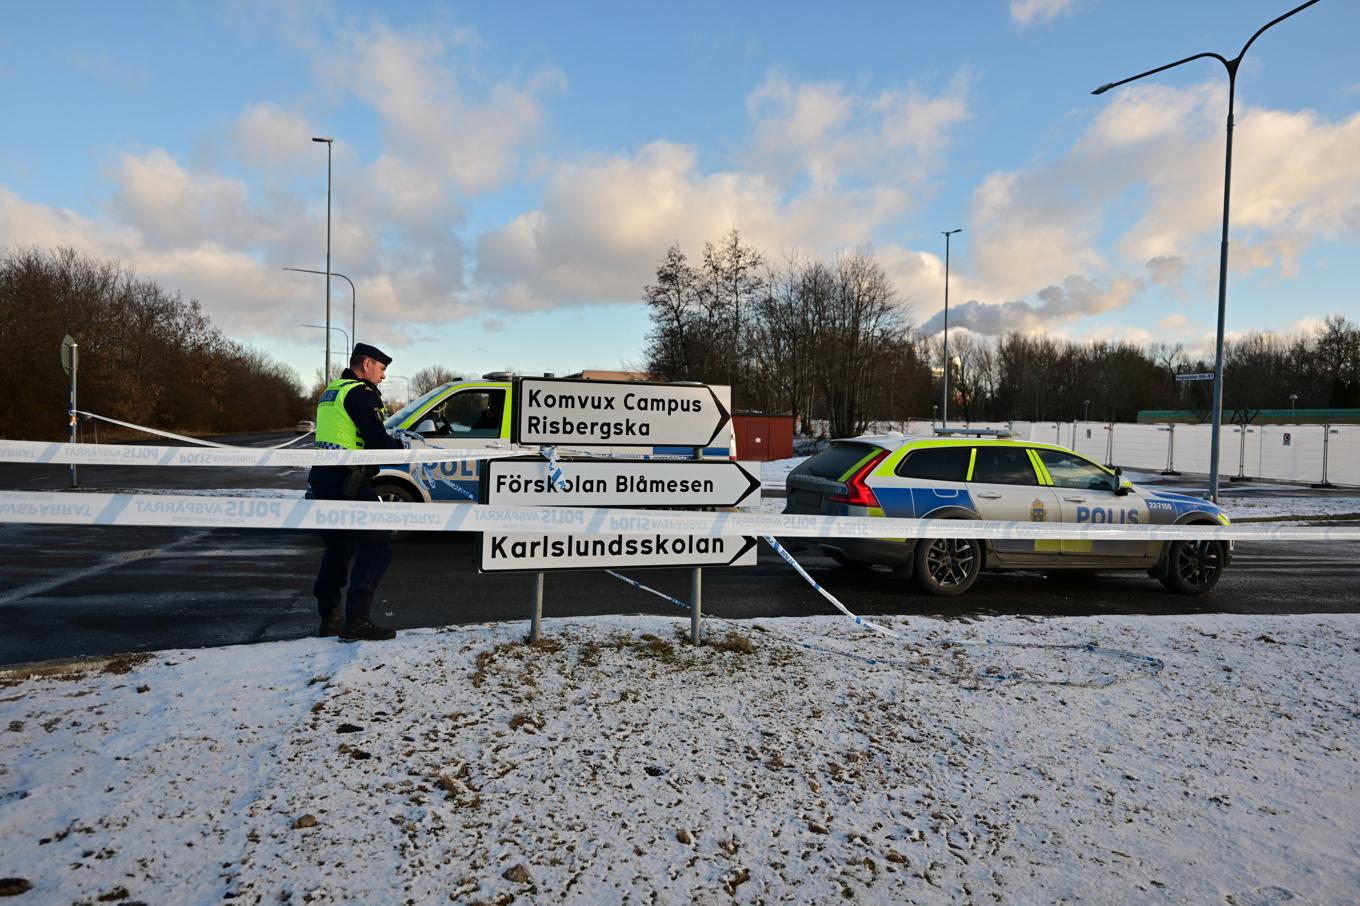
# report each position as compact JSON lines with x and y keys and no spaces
{"x":73,"y":591}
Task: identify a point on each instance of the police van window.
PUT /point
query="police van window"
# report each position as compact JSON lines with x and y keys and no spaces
{"x":835,"y":460}
{"x":936,"y":464}
{"x":1071,"y":471}
{"x":1003,"y":465}
{"x":468,"y":413}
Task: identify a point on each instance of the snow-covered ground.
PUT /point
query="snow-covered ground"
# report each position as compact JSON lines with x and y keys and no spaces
{"x":1200,"y":759}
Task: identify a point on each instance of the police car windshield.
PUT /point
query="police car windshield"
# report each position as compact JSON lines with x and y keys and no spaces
{"x":395,"y":419}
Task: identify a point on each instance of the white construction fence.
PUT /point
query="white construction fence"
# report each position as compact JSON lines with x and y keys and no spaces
{"x":1312,"y":454}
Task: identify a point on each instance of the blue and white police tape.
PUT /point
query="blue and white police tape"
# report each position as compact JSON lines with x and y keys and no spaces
{"x":67,"y":508}
{"x":549,"y":453}
{"x":859,"y":621}
{"x":39,"y":452}
{"x":651,"y":591}
{"x":197,"y":441}
{"x":424,"y":474}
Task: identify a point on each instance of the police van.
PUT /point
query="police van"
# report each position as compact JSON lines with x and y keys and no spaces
{"x":476,"y":414}
{"x":998,"y":478}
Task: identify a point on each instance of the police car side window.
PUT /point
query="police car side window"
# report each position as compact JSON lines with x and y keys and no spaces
{"x":1003,"y":465}
{"x":1071,"y":471}
{"x":936,"y":464}
{"x":475,"y":413}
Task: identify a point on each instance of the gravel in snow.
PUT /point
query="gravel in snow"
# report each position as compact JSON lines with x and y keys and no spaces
{"x":1205,"y":759}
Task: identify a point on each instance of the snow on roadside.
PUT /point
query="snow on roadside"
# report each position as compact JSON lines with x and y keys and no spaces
{"x":615,"y":762}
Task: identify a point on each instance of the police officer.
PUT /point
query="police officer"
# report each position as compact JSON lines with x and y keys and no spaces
{"x":350,"y":417}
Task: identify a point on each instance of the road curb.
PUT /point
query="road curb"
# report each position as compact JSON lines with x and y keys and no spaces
{"x":104,"y":663}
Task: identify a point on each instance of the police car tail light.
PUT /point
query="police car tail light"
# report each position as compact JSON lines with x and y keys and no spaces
{"x":857,"y":493}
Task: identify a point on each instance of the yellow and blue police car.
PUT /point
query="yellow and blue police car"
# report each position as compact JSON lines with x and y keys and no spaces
{"x":983,"y":475}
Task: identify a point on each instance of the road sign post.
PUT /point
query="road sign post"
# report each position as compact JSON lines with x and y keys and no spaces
{"x":70,"y":360}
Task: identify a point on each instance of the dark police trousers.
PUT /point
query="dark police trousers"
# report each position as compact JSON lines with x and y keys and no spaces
{"x":370,"y":551}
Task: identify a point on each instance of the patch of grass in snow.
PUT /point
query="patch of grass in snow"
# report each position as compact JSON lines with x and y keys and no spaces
{"x":651,"y":646}
{"x":733,"y":642}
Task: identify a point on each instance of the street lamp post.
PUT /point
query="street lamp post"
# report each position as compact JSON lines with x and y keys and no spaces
{"x":944,"y":421}
{"x":353,"y":303}
{"x":1231,"y":66}
{"x":341,"y":329}
{"x":1086,"y":413}
{"x":328,"y":142}
{"x":1293,"y":408}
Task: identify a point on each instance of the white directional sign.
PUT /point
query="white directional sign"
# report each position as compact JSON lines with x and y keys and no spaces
{"x":623,"y":483}
{"x":506,"y":553}
{"x":617,"y":413}
{"x":1196,"y":376}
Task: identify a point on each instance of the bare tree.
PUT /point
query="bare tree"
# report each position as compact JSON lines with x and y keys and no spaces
{"x":426,"y":379}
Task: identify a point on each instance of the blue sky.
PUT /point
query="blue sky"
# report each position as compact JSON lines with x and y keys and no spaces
{"x":506,"y":176}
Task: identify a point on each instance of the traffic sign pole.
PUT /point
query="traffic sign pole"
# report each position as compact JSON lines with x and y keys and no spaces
{"x":696,"y":590}
{"x":536,"y":615}
{"x":70,"y":360}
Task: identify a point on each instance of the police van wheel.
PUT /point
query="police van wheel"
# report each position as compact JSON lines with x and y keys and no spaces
{"x":391,"y":492}
{"x":1193,"y":567}
{"x":947,"y":566}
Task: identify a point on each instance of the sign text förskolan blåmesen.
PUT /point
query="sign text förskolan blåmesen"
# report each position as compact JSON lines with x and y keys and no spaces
{"x":618,"y":413}
{"x":622,"y":483}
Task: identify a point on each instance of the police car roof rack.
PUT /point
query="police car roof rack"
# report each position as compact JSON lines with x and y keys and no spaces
{"x":510,"y":375}
{"x":973,"y":432}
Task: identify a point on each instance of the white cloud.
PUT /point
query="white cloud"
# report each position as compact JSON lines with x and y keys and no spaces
{"x":1077,"y":297}
{"x":1026,"y":12}
{"x":823,"y":133}
{"x":825,"y":170}
{"x":1159,"y":151}
{"x":267,"y":135}
{"x":441,"y":132}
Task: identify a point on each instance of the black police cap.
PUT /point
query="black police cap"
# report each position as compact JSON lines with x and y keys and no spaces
{"x":372,"y":352}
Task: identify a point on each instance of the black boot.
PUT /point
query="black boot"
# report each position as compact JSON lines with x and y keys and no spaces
{"x":331,"y":620}
{"x":354,"y":630}
{"x":330,"y":626}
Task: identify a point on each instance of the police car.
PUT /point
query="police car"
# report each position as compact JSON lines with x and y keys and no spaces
{"x":471,"y":414}
{"x":997,"y":478}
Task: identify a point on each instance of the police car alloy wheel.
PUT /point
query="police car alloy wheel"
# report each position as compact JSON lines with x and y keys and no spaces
{"x":1193,"y":567}
{"x":947,"y":566}
{"x":391,"y":492}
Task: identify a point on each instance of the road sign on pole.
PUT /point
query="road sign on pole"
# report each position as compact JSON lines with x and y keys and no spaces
{"x":622,"y":483}
{"x":70,"y":360}
{"x":616,"y":413}
{"x":503,"y":552}
{"x":1196,"y":376}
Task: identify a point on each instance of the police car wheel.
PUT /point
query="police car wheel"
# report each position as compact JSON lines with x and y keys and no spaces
{"x":1193,"y":567}
{"x":391,"y":492}
{"x":947,"y":566}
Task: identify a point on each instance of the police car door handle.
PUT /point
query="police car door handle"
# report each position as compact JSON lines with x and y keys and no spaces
{"x":989,"y":496}
{"x":1075,"y":499}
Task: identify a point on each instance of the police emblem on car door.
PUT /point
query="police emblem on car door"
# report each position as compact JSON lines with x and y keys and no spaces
{"x":1005,"y":486}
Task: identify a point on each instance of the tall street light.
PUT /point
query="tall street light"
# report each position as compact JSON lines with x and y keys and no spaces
{"x":328,"y":142}
{"x":341,"y":329}
{"x":1231,"y":66}
{"x":353,"y":331}
{"x":944,"y":412}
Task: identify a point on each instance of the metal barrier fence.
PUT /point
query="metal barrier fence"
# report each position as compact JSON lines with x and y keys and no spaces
{"x":1323,"y":455}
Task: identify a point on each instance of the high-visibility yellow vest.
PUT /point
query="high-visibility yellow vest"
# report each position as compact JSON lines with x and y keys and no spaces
{"x":335,"y":430}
